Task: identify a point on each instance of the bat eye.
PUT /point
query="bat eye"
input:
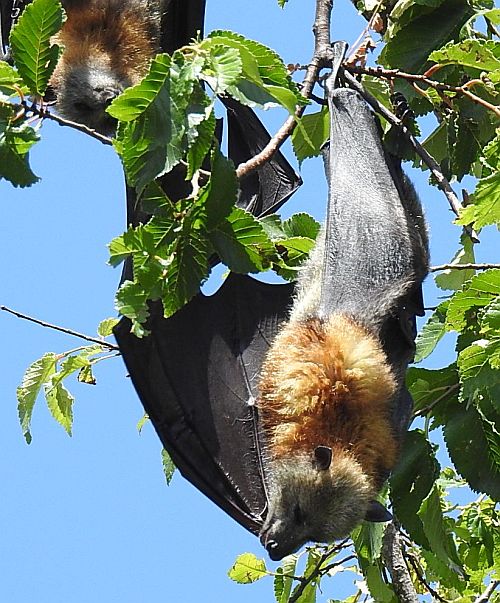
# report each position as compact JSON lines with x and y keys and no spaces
{"x":298,"y":515}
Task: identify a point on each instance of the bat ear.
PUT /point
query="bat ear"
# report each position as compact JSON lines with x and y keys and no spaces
{"x":322,"y":457}
{"x":377,"y":512}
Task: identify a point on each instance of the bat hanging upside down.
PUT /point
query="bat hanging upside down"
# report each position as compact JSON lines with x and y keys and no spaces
{"x":330,"y":384}
{"x":288,"y":408}
{"x":108,"y":45}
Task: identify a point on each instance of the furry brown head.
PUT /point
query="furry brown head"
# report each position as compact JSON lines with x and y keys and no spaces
{"x":108,"y":45}
{"x":325,"y":385}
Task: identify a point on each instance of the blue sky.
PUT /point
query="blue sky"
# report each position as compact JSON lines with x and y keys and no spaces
{"x":89,"y":518}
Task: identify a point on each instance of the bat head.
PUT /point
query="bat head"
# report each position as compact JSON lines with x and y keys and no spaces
{"x":316,"y":498}
{"x":107,"y":47}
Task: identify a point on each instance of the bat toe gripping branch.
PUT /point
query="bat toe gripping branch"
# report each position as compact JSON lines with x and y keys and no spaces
{"x":339,"y":50}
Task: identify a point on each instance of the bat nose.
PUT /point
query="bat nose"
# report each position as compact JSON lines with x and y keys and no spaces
{"x":108,"y":95}
{"x":272,"y":548}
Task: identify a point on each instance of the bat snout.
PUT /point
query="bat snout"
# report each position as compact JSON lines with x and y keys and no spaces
{"x":277,"y":547}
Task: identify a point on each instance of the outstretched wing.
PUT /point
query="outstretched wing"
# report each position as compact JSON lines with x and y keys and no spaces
{"x":197,"y":374}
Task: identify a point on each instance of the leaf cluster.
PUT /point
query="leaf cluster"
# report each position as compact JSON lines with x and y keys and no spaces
{"x":49,"y":373}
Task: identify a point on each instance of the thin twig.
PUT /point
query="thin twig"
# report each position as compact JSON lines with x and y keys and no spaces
{"x":427,"y":409}
{"x":392,"y":554}
{"x":365,"y":32}
{"x":485,"y":597}
{"x":431,"y":163}
{"x":492,"y":28}
{"x":312,"y":576}
{"x":331,"y":566}
{"x":470,"y":266}
{"x":322,"y":52}
{"x":410,"y":77}
{"x":420,"y":576}
{"x":45,"y":114}
{"x":42,"y":323}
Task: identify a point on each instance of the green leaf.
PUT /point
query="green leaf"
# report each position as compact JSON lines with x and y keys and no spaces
{"x":187,"y":268}
{"x":222,"y":190}
{"x":86,"y":375}
{"x":163,"y":114}
{"x":223,"y":67}
{"x":293,"y":252}
{"x":14,"y":167}
{"x":283,"y":580}
{"x":167,"y":464}
{"x":484,"y":208}
{"x":493,"y":15}
{"x":475,"y":53}
{"x":142,"y":421}
{"x":201,"y":146}
{"x":439,"y":537}
{"x":75,"y":363}
{"x":273,"y":227}
{"x":427,"y":386}
{"x":35,"y":376}
{"x":440,"y":572}
{"x":34,"y":56}
{"x":368,"y":539}
{"x":140,"y":240}
{"x":479,"y":292}
{"x":476,"y":370}
{"x":420,"y":30}
{"x":406,"y":11}
{"x":470,"y":439}
{"x":379,"y":589}
{"x":10,"y":80}
{"x":264,"y":78}
{"x":15,"y":142}
{"x":106,"y":326}
{"x":411,"y":481}
{"x":470,"y":127}
{"x":301,"y":225}
{"x":311,"y":133}
{"x":131,"y":302}
{"x":379,"y":89}
{"x":247,"y":569}
{"x":490,"y":323}
{"x":455,"y":279}
{"x":60,"y":403}
{"x":242,"y":244}
{"x":491,"y":155}
{"x":431,"y":333}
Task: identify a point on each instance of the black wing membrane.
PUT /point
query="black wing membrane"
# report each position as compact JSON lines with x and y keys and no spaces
{"x":262,"y":191}
{"x":182,"y":22}
{"x":7,"y":14}
{"x":376,"y":242}
{"x":197,"y":375}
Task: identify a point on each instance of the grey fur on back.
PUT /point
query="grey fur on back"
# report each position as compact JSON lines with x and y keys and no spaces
{"x":373,"y":247}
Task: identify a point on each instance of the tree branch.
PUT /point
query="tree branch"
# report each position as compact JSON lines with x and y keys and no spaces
{"x":322,"y":53}
{"x":410,"y":77}
{"x":392,"y":555}
{"x":470,"y":266}
{"x":46,"y":114}
{"x":42,"y":323}
{"x":431,"y":163}
{"x":485,"y":597}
